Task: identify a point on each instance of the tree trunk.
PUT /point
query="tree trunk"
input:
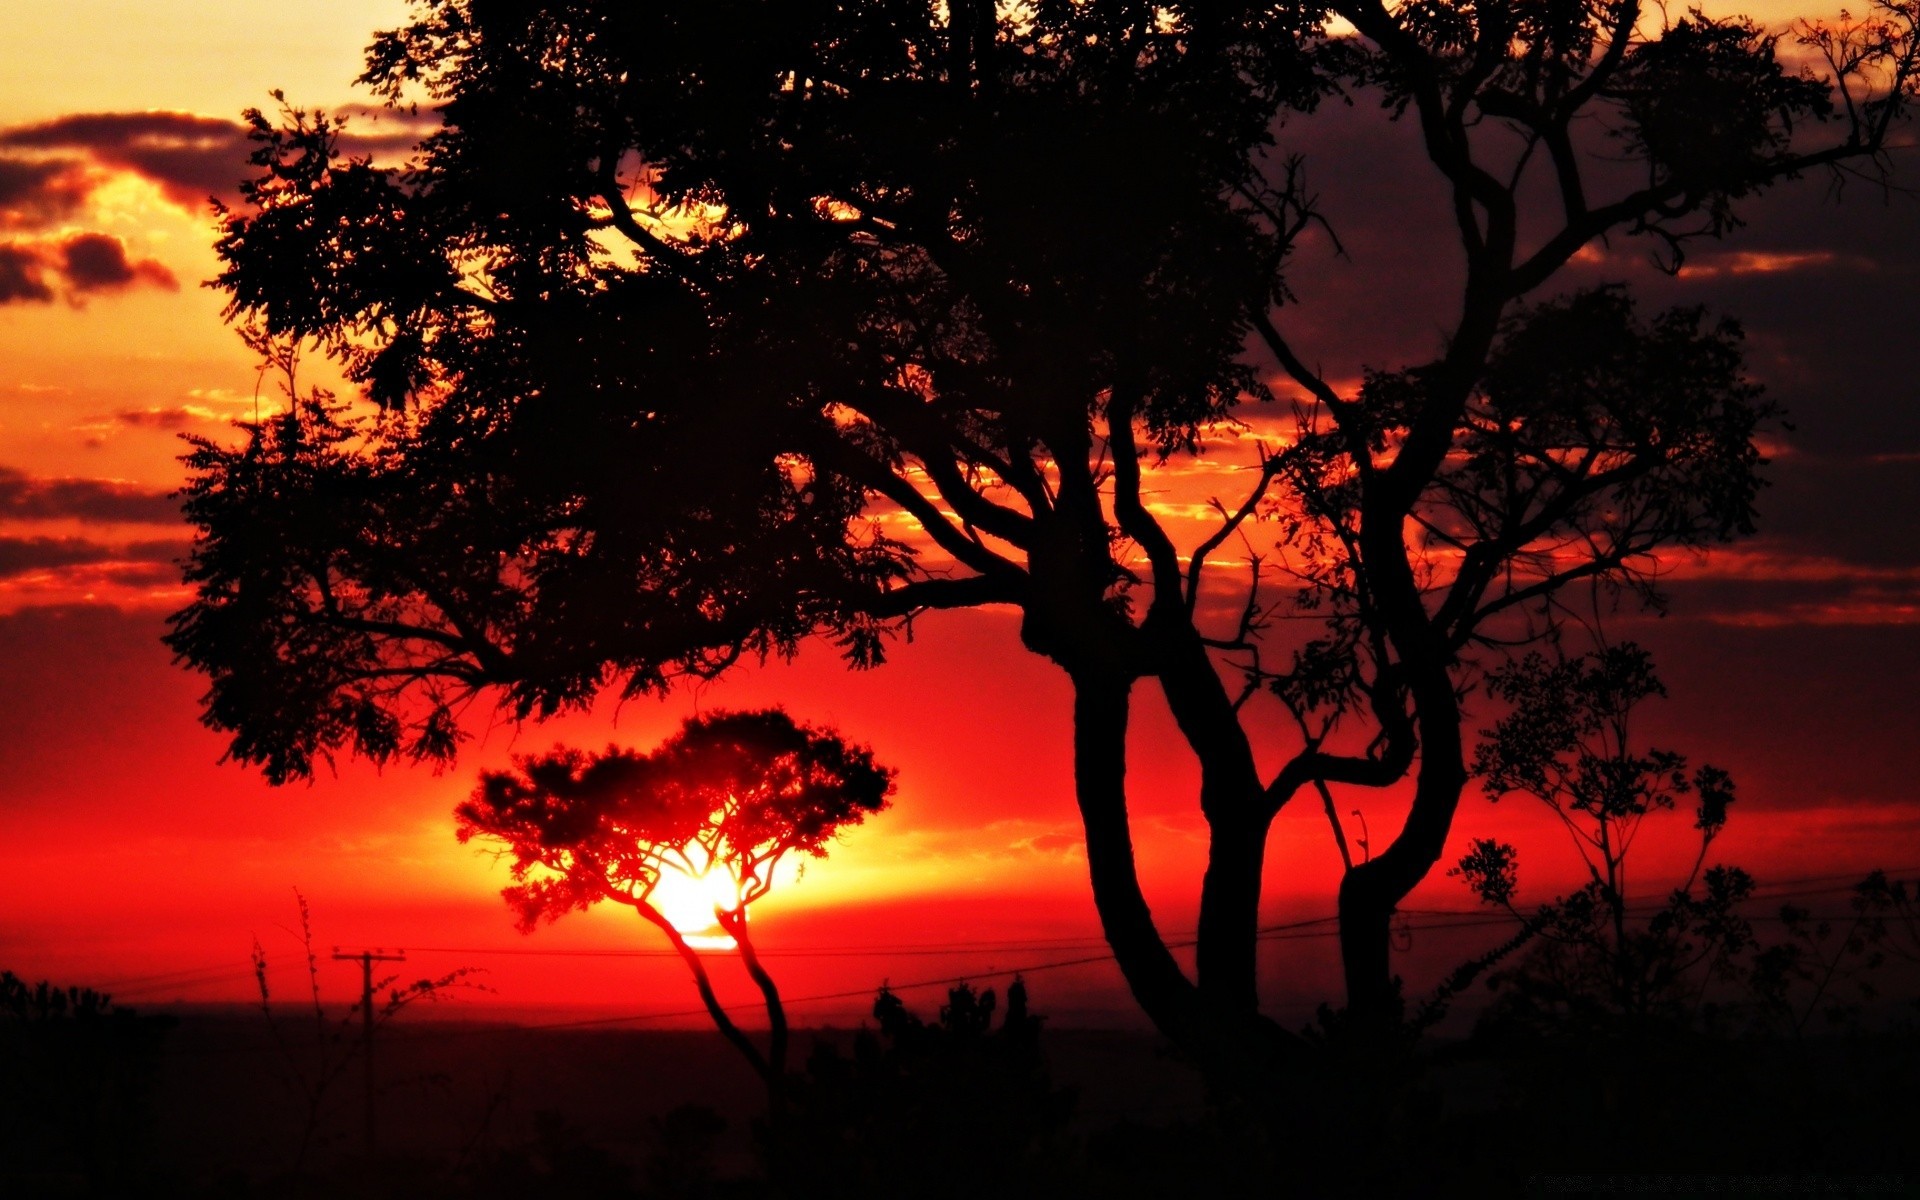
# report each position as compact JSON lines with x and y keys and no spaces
{"x":1366,"y":915}
{"x":733,"y":1033}
{"x":735,"y":924}
{"x":1371,"y":892}
{"x":1228,"y":1039}
{"x":1164,"y":993}
{"x":1228,"y":953}
{"x":1237,"y":819}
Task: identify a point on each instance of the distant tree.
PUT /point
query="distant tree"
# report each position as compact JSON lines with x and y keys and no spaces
{"x":1893,"y":906}
{"x":1567,"y":741}
{"x":733,"y":792}
{"x":1610,"y":956}
{"x":678,"y":303}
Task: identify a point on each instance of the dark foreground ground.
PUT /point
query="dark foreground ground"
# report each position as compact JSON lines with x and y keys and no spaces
{"x":216,"y":1106}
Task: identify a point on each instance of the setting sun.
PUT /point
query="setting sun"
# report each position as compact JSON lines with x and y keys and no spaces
{"x":690,"y":903}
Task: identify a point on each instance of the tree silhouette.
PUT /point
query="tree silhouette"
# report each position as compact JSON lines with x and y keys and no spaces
{"x":732,"y":792}
{"x":1601,"y":957}
{"x":676,"y":306}
{"x":958,"y":1106}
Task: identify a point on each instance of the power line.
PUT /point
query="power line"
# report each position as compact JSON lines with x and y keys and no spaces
{"x":1271,"y":933}
{"x":194,"y":981}
{"x":792,"y":952}
{"x":1642,"y":904}
{"x":366,"y":958}
{"x":161,"y":977}
{"x":1441,"y":920}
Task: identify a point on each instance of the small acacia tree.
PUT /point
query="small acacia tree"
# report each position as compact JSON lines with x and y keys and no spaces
{"x":734,"y":793}
{"x":678,"y":302}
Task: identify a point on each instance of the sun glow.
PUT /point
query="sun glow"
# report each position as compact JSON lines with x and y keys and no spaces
{"x":689,"y":903}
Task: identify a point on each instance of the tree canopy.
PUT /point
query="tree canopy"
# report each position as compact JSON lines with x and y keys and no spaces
{"x":733,"y":792}
{"x":694,"y":332}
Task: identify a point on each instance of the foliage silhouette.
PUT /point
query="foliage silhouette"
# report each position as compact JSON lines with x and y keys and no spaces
{"x":1605,"y":963}
{"x":1829,"y":968}
{"x":953,"y":1107}
{"x":1567,"y":741}
{"x":557,"y":1163}
{"x":76,"y":1072}
{"x":731,"y":792}
{"x":674,"y":306}
{"x":682,"y":1165}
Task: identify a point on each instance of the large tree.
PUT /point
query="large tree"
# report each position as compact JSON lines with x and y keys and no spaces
{"x":696,"y":331}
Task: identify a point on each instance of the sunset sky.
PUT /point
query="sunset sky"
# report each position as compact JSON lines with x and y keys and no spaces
{"x":135,"y":860}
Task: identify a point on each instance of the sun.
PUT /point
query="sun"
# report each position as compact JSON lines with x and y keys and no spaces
{"x":687,"y":902}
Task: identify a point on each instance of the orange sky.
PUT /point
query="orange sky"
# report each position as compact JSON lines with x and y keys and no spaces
{"x":134,"y":856}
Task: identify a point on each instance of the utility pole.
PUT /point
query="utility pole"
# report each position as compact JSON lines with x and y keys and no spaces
{"x":366,"y":959}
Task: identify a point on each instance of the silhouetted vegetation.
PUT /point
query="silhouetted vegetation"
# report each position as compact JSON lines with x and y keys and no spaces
{"x":676,"y":301}
{"x":727,"y":798}
{"x":76,"y":1071}
{"x":972,"y":1103}
{"x":955,"y":1107}
{"x":1598,"y":955}
{"x":1605,"y":965}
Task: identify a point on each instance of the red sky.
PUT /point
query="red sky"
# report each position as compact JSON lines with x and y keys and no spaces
{"x":134,"y":858}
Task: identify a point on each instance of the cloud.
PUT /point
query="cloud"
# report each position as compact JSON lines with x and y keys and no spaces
{"x":25,"y":497}
{"x":1846,"y":597}
{"x":1058,"y":844}
{"x":80,"y":265}
{"x":95,"y":262}
{"x":23,"y":274}
{"x":165,"y":419}
{"x":24,"y":555}
{"x":191,"y":157}
{"x":38,"y":192}
{"x":97,"y":431}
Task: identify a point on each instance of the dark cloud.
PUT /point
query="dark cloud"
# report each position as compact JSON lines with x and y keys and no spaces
{"x":1826,"y":285}
{"x":191,"y":157}
{"x":1825,"y":281}
{"x":195,"y":158}
{"x":84,"y":264}
{"x":166,"y":419}
{"x":25,"y":497}
{"x":162,"y":571}
{"x":1804,"y":715}
{"x":383,"y":134}
{"x":1853,"y":507}
{"x":1803,"y":593}
{"x":36,"y":192}
{"x":23,"y":274}
{"x":1397,"y":273}
{"x":95,"y":262}
{"x":23,"y":555}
